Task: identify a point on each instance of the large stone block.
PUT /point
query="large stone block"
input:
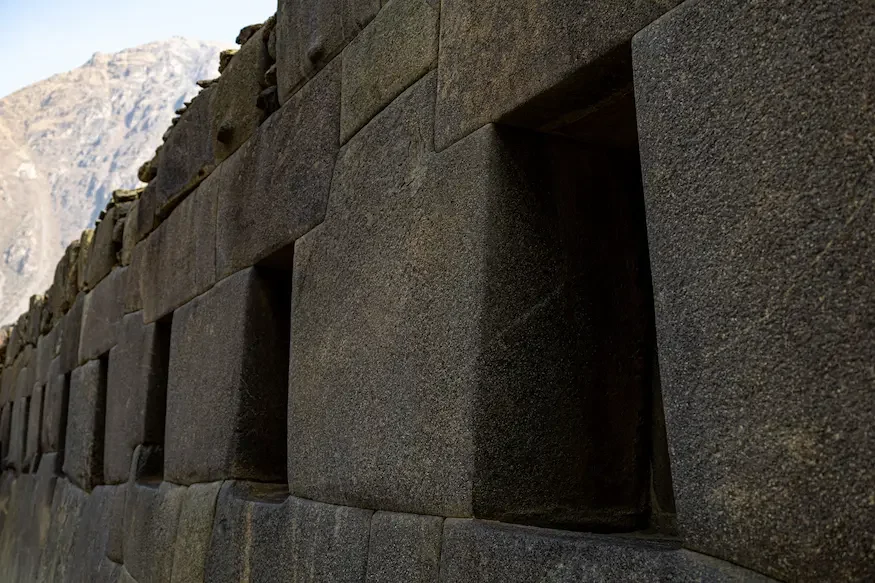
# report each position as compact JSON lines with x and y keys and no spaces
{"x":83,"y":448}
{"x":32,"y":449}
{"x":255,"y":523}
{"x":756,"y":151}
{"x":55,"y":401}
{"x":135,"y":393}
{"x":178,"y":260}
{"x":34,"y":534}
{"x":68,"y":503}
{"x":151,"y":518}
{"x":275,"y":188}
{"x":102,"y":254}
{"x":226,"y":393}
{"x":483,"y":552}
{"x":310,"y":33}
{"x":102,"y":313}
{"x":92,"y":536}
{"x":5,"y":431}
{"x":460,"y":320}
{"x":498,"y":56}
{"x":18,"y":433}
{"x":65,"y":285}
{"x":71,"y":329}
{"x":185,"y":159}
{"x":235,"y":114}
{"x":85,"y":241}
{"x":404,"y":548}
{"x":193,"y":532}
{"x":130,"y":234}
{"x":47,"y":349}
{"x":115,"y":541}
{"x":399,"y":47}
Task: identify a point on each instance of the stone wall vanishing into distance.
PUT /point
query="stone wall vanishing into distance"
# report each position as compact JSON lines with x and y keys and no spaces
{"x":472,"y":291}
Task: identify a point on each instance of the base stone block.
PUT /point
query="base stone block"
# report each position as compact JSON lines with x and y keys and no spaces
{"x":226,"y":392}
{"x":151,"y":519}
{"x":404,"y":548}
{"x":102,"y":313}
{"x":193,"y":532}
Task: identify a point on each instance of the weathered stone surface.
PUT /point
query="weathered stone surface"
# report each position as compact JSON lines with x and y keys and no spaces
{"x":151,"y":518}
{"x":101,"y":255}
{"x":404,"y":548}
{"x":135,"y":394}
{"x":177,"y":261}
{"x":235,"y":114}
{"x":71,"y":329}
{"x":5,"y":429}
{"x":92,"y":535}
{"x":83,"y":448}
{"x":68,"y":504}
{"x":491,"y":552}
{"x":102,"y":313}
{"x":193,"y":532}
{"x":47,"y":349}
{"x":464,"y":285}
{"x":144,"y":221}
{"x":275,"y":188}
{"x":187,"y":156}
{"x":758,"y":170}
{"x":129,"y":235}
{"x":66,"y":284}
{"x":399,"y":47}
{"x":497,"y":56}
{"x":33,"y":536}
{"x":256,"y":523}
{"x":32,"y":449}
{"x":85,"y":241}
{"x":55,"y":400}
{"x":18,"y":433}
{"x":309,"y":34}
{"x":133,"y":300}
{"x":115,"y":540}
{"x":226,"y":393}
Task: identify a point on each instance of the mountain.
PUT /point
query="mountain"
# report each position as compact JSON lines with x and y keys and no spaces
{"x":67,"y":142}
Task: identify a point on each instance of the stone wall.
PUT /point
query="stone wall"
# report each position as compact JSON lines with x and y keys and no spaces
{"x":455,"y":291}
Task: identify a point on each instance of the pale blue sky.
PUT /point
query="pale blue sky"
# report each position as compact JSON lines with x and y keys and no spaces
{"x":39,"y":38}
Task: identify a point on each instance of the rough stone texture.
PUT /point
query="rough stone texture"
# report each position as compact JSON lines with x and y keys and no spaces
{"x":490,"y":552}
{"x":151,"y":518}
{"x":144,"y":221}
{"x":309,"y":34}
{"x":65,"y":284}
{"x":18,"y":433}
{"x":256,"y":523}
{"x":129,"y":235}
{"x":83,"y":459}
{"x":47,"y":349}
{"x":759,"y":175}
{"x":32,"y":448}
{"x":187,"y":156}
{"x":55,"y":400}
{"x":116,"y":523}
{"x":399,"y":47}
{"x":82,"y":259}
{"x":193,"y":532}
{"x":469,"y":384}
{"x":135,"y":393}
{"x":71,"y":330}
{"x":133,"y":300}
{"x":101,"y":255}
{"x":5,"y":431}
{"x":56,"y":561}
{"x":92,"y":535}
{"x":275,"y":188}
{"x":226,"y":393}
{"x":102,"y":313}
{"x":404,"y":547}
{"x":177,"y":261}
{"x":235,"y":115}
{"x":497,"y":56}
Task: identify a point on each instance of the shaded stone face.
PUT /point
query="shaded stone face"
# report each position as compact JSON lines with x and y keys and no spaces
{"x":193,"y":532}
{"x":83,"y":450}
{"x":255,"y":523}
{"x":275,"y":188}
{"x":404,"y":547}
{"x":151,"y":519}
{"x":102,"y":312}
{"x":226,"y":393}
{"x":136,"y":393}
{"x":310,"y":33}
{"x":54,"y":423}
{"x":757,"y":164}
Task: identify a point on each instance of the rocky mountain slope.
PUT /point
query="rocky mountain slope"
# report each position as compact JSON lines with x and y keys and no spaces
{"x":67,"y":142}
